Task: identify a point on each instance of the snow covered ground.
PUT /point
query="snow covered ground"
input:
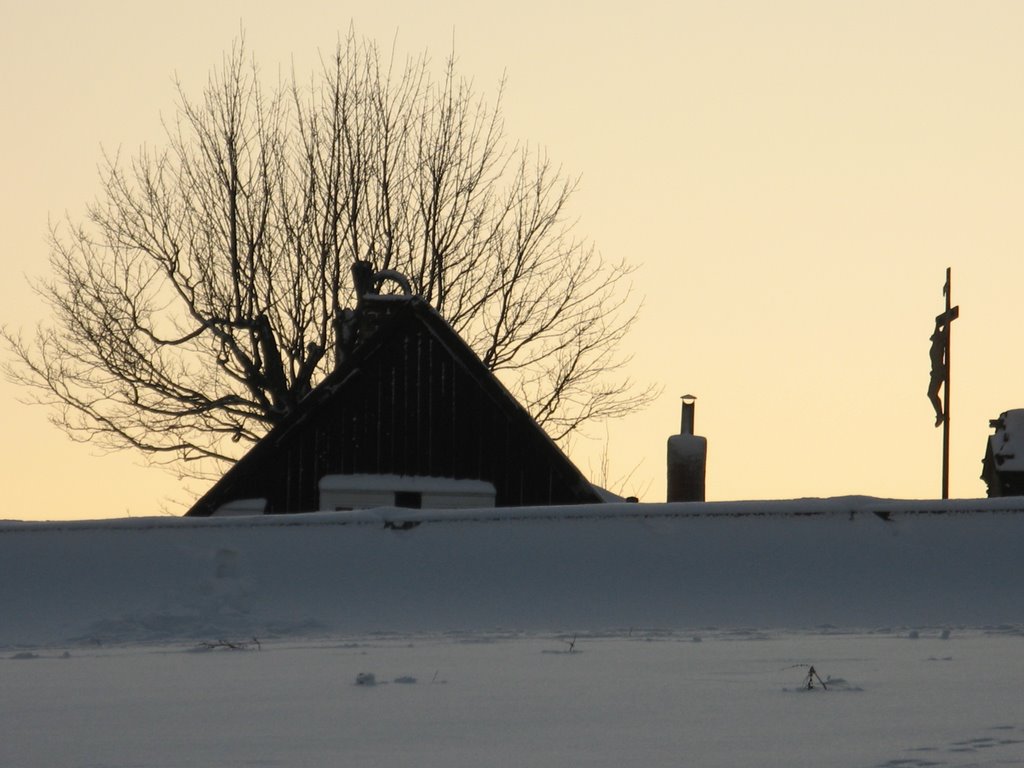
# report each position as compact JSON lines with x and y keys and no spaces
{"x":649,"y":699}
{"x":652,"y":635}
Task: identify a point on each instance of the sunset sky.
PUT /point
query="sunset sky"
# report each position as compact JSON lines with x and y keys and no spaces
{"x":791,"y":179}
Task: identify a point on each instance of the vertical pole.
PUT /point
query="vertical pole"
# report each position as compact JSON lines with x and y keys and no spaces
{"x":945,"y":422}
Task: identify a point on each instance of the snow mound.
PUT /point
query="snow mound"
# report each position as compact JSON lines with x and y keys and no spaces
{"x":850,"y":562}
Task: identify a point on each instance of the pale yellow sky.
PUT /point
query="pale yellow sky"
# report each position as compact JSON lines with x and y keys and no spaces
{"x":792,"y":178}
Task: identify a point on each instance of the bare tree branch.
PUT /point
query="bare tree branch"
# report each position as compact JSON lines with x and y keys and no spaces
{"x":196,"y":304}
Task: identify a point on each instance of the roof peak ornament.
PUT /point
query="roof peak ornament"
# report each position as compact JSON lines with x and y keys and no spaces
{"x":368,"y":281}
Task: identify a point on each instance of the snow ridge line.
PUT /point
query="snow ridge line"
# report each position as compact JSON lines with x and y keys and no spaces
{"x":396,"y":517}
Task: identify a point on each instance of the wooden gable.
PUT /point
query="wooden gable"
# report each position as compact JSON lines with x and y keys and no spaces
{"x":410,"y":399}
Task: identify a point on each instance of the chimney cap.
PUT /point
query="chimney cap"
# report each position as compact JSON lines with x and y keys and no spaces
{"x":688,"y":398}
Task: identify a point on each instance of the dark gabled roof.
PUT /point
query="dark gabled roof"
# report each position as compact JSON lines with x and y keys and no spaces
{"x":410,"y":398}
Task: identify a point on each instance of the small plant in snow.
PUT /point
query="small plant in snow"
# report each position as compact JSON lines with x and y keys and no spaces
{"x":231,"y":646}
{"x":570,"y":649}
{"x":812,"y":675}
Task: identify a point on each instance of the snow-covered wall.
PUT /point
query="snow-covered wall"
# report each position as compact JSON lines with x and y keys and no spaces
{"x":802,"y":563}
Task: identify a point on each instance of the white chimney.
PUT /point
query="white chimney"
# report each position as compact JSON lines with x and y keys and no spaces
{"x":687,"y":458}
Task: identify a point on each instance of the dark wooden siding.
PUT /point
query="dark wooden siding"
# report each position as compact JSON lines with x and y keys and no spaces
{"x":419,"y":404}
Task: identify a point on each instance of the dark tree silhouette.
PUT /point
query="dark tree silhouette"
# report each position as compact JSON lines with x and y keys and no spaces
{"x":195,"y":305}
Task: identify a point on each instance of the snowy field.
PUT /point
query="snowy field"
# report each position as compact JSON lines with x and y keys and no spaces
{"x":659,"y":635}
{"x":731,"y":699}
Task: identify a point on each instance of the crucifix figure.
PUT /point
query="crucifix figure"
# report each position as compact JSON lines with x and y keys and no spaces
{"x":937,"y":353}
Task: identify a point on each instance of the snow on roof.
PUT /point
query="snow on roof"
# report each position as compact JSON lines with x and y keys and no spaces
{"x":1008,"y":441}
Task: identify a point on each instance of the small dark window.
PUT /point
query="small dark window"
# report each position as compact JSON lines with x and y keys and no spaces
{"x":409,"y":499}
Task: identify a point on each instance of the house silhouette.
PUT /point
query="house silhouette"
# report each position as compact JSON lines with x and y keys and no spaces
{"x":408,"y":399}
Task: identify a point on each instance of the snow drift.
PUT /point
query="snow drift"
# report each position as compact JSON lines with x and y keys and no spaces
{"x":852,"y":562}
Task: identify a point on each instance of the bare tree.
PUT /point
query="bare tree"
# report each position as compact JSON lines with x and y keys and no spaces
{"x":195,"y":305}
